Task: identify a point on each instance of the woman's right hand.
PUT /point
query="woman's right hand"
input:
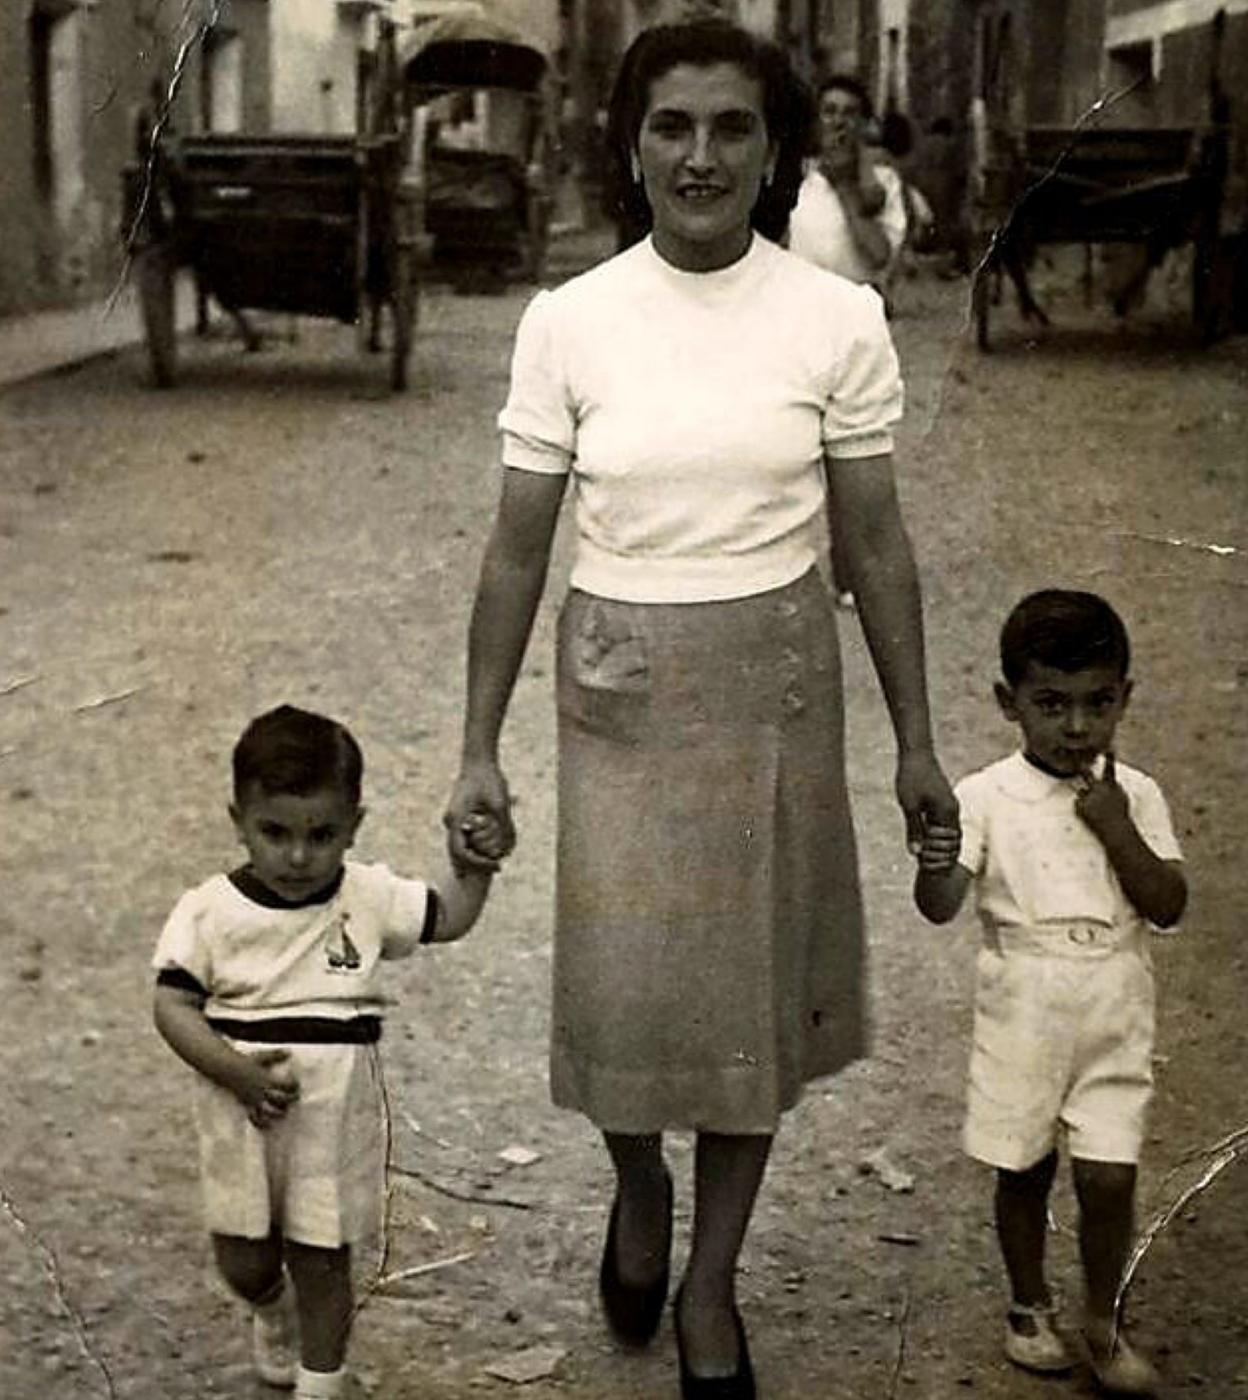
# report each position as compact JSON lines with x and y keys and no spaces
{"x":871,"y":195}
{"x":480,"y":792}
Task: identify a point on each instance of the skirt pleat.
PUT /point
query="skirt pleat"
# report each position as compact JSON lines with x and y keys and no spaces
{"x":708,"y":945}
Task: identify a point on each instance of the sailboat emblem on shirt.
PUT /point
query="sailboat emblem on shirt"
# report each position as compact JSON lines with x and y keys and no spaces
{"x":341,"y":953}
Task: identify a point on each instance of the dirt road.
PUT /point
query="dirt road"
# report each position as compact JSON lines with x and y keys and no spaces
{"x":279,"y":528}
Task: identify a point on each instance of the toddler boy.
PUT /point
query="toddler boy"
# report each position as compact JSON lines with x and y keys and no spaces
{"x":268,"y":985}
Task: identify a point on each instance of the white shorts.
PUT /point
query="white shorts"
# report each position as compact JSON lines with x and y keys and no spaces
{"x":318,"y":1175}
{"x":1063,"y":1039}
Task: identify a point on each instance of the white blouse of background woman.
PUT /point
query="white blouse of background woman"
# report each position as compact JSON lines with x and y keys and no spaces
{"x":819,"y":230}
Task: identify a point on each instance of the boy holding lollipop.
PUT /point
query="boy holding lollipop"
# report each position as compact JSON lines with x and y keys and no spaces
{"x":1072,"y":857}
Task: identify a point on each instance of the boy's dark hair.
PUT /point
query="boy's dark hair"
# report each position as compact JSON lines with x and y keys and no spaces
{"x":295,"y":752}
{"x":1065,"y":629}
{"x":787,"y":110}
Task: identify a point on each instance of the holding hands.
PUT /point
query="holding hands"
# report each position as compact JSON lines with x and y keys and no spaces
{"x":929,"y":805}
{"x":479,"y":830}
{"x":939,"y":848}
{"x":933,"y":836}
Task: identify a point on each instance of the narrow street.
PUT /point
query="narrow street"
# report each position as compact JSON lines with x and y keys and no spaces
{"x":279,"y":527}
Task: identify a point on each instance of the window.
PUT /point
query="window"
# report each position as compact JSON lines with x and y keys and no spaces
{"x":1134,"y":65}
{"x":221,"y":85}
{"x":366,"y":85}
{"x":54,"y":35}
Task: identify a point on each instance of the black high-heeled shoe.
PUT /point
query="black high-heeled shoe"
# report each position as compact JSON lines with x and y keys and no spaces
{"x":634,"y":1313}
{"x":738,"y":1386}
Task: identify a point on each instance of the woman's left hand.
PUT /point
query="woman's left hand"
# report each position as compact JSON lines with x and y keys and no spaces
{"x":925,"y":796}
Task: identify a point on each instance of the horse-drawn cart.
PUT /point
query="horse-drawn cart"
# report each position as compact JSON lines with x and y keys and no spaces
{"x":314,"y":225}
{"x":488,"y":183}
{"x":1159,"y":187}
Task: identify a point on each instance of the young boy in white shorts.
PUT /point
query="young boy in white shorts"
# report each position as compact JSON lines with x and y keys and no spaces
{"x":1072,"y":857}
{"x":268,"y":985}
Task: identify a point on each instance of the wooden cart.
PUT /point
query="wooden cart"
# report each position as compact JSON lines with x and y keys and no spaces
{"x":314,"y":225}
{"x":1161,"y":187}
{"x":487,"y":204}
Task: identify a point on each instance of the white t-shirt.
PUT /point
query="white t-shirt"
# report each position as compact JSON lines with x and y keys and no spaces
{"x":694,"y":410}
{"x":1035,"y":861}
{"x":819,"y":231}
{"x":319,"y":960}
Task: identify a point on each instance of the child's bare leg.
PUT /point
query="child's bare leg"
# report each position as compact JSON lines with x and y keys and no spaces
{"x":1106,"y":1192}
{"x":642,"y":1183}
{"x":322,"y":1279}
{"x":1022,"y":1210}
{"x":252,"y":1268}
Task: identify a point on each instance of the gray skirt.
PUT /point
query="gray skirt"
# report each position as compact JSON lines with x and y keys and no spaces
{"x":708,"y":955}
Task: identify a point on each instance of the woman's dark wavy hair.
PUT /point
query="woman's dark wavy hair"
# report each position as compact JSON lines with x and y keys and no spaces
{"x":840,"y":82}
{"x":787,"y":110}
{"x":852,"y":84}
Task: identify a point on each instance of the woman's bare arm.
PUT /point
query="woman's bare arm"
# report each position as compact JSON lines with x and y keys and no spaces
{"x":880,"y":566}
{"x":513,"y":576}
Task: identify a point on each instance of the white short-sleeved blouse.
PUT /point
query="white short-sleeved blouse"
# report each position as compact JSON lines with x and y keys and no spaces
{"x":694,"y":411}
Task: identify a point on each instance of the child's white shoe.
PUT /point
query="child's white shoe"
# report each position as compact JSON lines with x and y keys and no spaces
{"x":320,"y":1385}
{"x":1123,"y":1371}
{"x":275,"y":1340}
{"x":1032,"y":1342}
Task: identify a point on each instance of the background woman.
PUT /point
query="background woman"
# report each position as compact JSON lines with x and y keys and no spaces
{"x":706,"y":392}
{"x":850,"y":215}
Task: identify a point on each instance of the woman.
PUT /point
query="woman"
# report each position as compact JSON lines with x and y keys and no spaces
{"x":708,"y":939}
{"x":850,"y":215}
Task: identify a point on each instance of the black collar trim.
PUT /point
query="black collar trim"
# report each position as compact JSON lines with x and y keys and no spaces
{"x":1044,"y":768}
{"x":245,"y":881}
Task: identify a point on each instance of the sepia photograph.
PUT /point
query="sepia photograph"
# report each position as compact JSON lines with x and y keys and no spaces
{"x":623,"y":660}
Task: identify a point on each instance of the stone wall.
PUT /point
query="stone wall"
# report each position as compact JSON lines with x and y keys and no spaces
{"x":74,"y":76}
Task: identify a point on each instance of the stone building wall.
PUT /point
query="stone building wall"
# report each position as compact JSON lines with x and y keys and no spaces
{"x":74,"y":76}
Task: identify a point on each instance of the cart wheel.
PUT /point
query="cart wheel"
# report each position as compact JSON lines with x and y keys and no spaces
{"x":1209,"y":291}
{"x":403,"y":299}
{"x":536,"y":247}
{"x":981,"y":301}
{"x":153,"y":267}
{"x":535,"y":258}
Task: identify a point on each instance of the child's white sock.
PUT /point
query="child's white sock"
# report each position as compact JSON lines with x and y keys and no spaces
{"x":319,"y":1385}
{"x":274,"y":1333}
